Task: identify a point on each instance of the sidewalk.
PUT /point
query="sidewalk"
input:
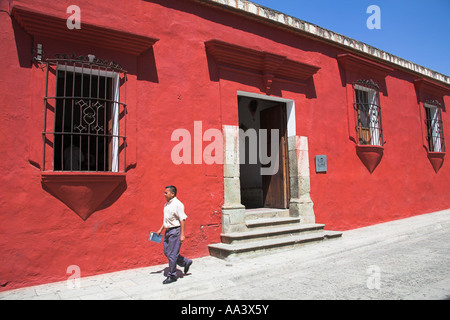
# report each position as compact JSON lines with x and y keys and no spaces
{"x":209,"y":276}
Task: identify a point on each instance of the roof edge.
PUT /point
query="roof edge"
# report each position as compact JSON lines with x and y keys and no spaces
{"x":267,"y":15}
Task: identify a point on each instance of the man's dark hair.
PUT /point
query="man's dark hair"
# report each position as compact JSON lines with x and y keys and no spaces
{"x":172,"y":189}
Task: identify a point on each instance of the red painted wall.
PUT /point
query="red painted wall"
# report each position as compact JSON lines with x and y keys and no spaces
{"x":170,"y":86}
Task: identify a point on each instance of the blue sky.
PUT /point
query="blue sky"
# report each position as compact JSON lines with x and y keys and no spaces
{"x":415,"y":30}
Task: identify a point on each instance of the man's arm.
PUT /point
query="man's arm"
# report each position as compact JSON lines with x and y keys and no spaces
{"x":182,"y":224}
{"x":161,"y":229}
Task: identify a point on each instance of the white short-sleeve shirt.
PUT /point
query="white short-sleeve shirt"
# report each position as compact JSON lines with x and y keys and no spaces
{"x":173,"y":213}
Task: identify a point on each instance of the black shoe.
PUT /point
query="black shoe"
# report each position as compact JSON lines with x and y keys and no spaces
{"x":186,"y":268}
{"x":169,"y":280}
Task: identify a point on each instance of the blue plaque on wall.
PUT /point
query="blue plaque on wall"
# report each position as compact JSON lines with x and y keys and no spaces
{"x":321,"y":163}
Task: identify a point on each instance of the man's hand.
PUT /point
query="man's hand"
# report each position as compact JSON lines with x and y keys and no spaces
{"x":160,"y":230}
{"x":182,"y":237}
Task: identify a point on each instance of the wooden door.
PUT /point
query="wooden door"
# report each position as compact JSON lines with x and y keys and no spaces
{"x":276,"y":186}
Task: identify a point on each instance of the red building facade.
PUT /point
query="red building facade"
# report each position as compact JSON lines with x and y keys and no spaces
{"x":90,"y":119}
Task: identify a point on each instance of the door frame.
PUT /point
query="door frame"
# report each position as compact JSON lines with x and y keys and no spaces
{"x":300,"y":203}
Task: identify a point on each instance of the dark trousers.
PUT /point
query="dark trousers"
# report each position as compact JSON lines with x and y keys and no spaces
{"x":172,"y":245}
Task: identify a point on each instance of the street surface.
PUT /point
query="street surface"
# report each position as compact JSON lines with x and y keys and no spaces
{"x":411,"y":268}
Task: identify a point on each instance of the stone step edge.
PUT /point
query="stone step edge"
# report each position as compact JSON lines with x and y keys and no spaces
{"x":267,"y":232}
{"x":269,"y":222}
{"x":264,"y":213}
{"x":270,"y":243}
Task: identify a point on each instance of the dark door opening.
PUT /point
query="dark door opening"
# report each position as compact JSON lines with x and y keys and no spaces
{"x":257,"y":189}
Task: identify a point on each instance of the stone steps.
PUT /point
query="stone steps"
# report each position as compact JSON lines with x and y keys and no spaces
{"x":268,"y":230}
{"x":233,"y":251}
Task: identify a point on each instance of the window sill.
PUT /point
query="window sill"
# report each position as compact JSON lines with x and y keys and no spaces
{"x":436,"y":159}
{"x":82,"y":175}
{"x":370,"y":155}
{"x":83,"y":192}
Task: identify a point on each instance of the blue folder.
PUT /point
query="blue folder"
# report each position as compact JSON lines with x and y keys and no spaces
{"x":155,"y":238}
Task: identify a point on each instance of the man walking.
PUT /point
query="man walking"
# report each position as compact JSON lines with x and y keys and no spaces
{"x":174,"y":223}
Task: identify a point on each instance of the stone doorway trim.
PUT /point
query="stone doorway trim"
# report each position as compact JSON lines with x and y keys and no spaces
{"x":300,"y":203}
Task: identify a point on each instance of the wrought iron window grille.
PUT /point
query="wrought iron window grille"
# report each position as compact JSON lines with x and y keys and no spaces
{"x":88,"y":112}
{"x":367,"y":108}
{"x":433,"y":122}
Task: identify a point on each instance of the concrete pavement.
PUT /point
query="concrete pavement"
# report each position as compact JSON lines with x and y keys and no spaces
{"x":402,"y":259}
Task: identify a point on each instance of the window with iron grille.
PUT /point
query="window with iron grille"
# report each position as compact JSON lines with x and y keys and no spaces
{"x":435,"y":132}
{"x":89,"y":111}
{"x":368,"y":113}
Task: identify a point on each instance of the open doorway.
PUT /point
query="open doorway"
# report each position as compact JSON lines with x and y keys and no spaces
{"x":263,"y":190}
